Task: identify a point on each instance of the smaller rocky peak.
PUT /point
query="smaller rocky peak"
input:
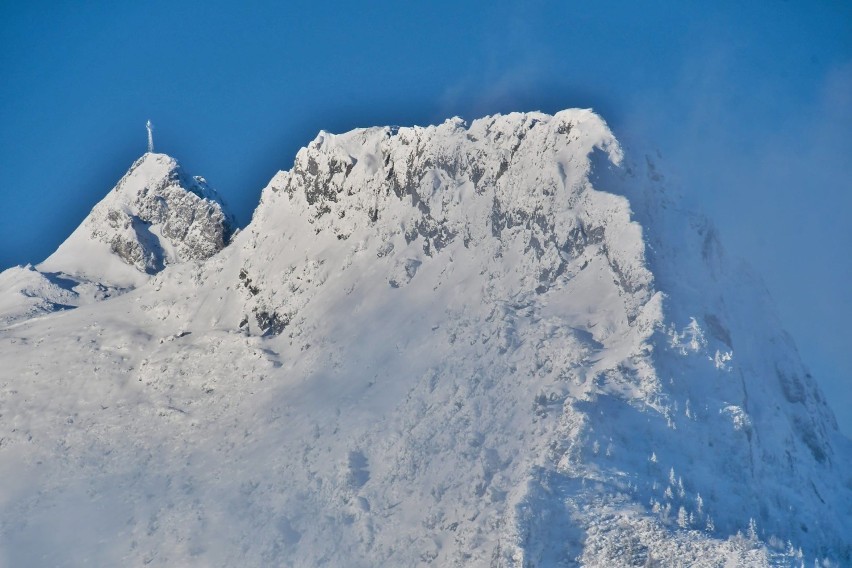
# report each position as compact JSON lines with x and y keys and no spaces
{"x":151,"y":175}
{"x":156,"y":215}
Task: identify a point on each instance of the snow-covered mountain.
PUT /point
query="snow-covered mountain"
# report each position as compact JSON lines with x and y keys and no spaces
{"x":495,"y":344}
{"x":155,"y":216}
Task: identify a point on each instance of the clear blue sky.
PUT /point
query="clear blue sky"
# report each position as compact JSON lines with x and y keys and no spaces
{"x":749,"y":102}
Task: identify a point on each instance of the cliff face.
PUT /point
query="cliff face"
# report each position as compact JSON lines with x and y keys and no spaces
{"x":501,"y":343}
{"x":515,"y":184}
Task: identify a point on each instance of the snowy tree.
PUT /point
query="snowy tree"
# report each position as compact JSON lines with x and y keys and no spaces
{"x":790,"y":550}
{"x":695,"y":335}
{"x":752,"y":530}
{"x":682,"y":518}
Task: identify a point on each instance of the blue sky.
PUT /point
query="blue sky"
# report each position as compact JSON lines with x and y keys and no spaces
{"x":750,"y":104}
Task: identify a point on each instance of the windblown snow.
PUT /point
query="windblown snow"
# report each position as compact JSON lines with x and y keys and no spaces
{"x":495,"y":344}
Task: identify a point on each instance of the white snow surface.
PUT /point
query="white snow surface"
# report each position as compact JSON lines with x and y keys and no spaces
{"x":495,"y":344}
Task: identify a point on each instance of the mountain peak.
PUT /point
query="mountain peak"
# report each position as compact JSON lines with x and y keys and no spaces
{"x":155,"y":216}
{"x":332,"y":177}
{"x":516,"y":182}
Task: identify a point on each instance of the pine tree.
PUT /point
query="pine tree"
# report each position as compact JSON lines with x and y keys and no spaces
{"x":682,"y":519}
{"x":752,"y":530}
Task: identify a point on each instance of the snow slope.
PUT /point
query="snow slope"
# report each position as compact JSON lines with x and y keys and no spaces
{"x":501,"y":343}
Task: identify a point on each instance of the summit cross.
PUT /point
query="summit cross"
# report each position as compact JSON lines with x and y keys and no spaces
{"x":150,"y":128}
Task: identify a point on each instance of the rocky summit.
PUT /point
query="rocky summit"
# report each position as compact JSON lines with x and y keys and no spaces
{"x":155,"y":216}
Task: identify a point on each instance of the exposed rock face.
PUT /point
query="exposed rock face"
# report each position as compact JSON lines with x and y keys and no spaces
{"x":158,"y":215}
{"x":506,"y":182}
